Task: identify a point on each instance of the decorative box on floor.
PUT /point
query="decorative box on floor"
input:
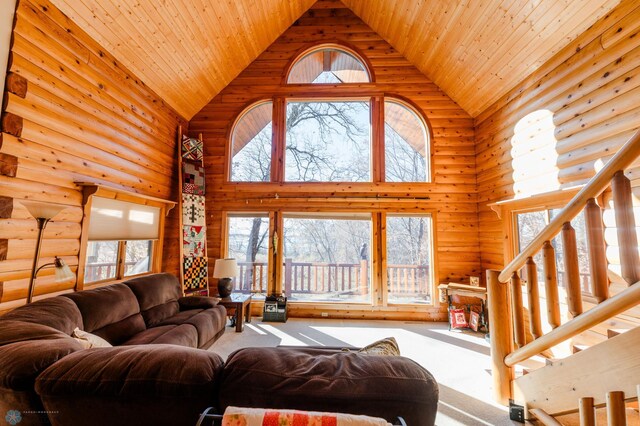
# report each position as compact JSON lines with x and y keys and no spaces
{"x":275,"y":309}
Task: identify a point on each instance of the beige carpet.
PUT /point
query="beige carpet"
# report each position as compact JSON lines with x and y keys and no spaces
{"x":459,"y":361}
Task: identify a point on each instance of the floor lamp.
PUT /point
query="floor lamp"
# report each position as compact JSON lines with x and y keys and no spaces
{"x":43,"y":213}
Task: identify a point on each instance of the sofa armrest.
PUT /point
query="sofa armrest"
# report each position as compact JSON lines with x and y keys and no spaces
{"x":197,"y":302}
{"x":131,"y":385}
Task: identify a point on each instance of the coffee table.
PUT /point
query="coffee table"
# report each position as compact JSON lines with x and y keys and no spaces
{"x":242,"y":305}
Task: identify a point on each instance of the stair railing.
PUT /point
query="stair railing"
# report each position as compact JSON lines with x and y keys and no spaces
{"x":506,"y":314}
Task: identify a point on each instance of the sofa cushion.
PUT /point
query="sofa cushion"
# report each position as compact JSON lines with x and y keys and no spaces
{"x":209,"y":323}
{"x":111,"y":312}
{"x":183,"y":335}
{"x":181,"y":317}
{"x":153,"y":384}
{"x":57,"y":312}
{"x":330,"y":380}
{"x":157,"y":296}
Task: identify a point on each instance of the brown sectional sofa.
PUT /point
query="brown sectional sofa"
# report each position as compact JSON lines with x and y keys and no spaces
{"x":130,"y":315}
{"x":155,"y":374}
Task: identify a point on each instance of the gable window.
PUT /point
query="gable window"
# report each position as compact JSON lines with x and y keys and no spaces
{"x":329,"y":65}
{"x":328,"y":141}
{"x":251,"y":144}
{"x":406,"y":144}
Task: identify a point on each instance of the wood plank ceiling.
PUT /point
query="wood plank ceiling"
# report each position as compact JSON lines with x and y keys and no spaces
{"x":187,"y":51}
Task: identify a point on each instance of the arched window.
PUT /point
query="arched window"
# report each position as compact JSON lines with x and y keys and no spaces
{"x":406,"y":146}
{"x":329,"y":64}
{"x":251,"y":144}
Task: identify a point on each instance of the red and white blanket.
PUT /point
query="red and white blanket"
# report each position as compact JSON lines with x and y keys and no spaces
{"x":240,"y":416}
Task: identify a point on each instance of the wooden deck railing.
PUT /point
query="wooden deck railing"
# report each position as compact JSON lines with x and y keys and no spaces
{"x":334,"y":278}
{"x":506,"y":313}
{"x":102,"y":271}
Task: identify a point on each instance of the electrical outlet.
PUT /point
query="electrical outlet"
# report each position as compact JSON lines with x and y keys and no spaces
{"x":324,"y":314}
{"x":516,"y":412}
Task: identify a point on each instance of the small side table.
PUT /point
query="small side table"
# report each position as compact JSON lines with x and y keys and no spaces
{"x":242,"y":305}
{"x":453,"y":289}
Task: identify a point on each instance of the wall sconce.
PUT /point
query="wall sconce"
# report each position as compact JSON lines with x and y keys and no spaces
{"x":43,"y":213}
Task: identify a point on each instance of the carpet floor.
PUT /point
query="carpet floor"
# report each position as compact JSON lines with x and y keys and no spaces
{"x":459,"y":361}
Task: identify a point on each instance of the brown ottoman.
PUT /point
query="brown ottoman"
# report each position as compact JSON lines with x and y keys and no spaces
{"x":329,"y":380}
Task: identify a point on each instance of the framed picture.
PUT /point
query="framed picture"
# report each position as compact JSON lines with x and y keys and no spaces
{"x":474,"y":320}
{"x":270,"y":307}
{"x":474,"y":281}
{"x":457,"y":318}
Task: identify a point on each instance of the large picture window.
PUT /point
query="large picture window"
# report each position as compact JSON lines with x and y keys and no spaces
{"x":328,"y":141}
{"x":327,"y":257}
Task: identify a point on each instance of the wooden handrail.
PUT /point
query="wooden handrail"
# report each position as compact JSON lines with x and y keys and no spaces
{"x":544,"y":418}
{"x":605,"y":310}
{"x":621,"y":160}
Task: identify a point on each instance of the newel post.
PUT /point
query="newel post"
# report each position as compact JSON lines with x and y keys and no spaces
{"x":501,"y":334}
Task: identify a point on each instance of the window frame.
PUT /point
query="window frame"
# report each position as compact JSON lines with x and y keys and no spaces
{"x":351,"y":50}
{"x":377,"y":136}
{"x":378,"y":277}
{"x":282,"y":152}
{"x":155,"y":262}
{"x":508,"y":211}
{"x":120,"y":263}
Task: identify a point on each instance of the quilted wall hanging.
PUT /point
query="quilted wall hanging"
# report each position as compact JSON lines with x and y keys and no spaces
{"x":193,"y":268}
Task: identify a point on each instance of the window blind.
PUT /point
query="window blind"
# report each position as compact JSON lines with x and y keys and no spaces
{"x":121,"y":220}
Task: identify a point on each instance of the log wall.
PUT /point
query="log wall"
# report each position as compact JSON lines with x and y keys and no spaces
{"x":560,"y":124}
{"x":452,"y":194}
{"x":72,"y":113}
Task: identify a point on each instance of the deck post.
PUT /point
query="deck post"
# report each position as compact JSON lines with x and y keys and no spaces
{"x":501,"y":334}
{"x":288,"y":272}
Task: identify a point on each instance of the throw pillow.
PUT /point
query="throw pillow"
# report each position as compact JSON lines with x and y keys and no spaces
{"x":457,"y":318}
{"x":88,"y":340}
{"x":388,"y":347}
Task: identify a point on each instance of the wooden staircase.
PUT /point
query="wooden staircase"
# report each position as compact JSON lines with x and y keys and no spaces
{"x":595,"y":375}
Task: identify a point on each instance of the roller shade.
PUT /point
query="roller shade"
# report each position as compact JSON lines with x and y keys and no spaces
{"x":120,"y":220}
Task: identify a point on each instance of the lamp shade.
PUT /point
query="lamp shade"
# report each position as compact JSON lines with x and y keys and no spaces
{"x":225,"y":268}
{"x":63,"y":272}
{"x":41,"y":210}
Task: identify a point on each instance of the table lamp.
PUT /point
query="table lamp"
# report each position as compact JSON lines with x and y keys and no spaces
{"x":43,"y":213}
{"x":225,"y":270}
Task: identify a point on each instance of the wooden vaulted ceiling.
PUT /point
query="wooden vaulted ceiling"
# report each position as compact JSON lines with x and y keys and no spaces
{"x":187,"y":51}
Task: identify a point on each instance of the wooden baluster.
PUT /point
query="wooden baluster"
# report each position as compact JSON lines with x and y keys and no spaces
{"x":626,"y":228}
{"x":517,"y":310}
{"x":587,"y":412}
{"x":254,"y":276}
{"x":597,"y":251}
{"x":616,"y":410}
{"x":551,"y":284}
{"x":501,"y":336}
{"x":572,"y":270}
{"x":534,"y":298}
